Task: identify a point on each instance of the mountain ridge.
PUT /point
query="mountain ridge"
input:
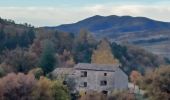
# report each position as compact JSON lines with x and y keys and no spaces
{"x":125,"y":28}
{"x":106,"y":22}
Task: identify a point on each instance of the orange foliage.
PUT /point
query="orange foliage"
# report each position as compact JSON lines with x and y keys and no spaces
{"x":134,"y":76}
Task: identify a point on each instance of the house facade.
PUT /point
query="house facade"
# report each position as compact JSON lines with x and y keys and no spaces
{"x":99,"y":77}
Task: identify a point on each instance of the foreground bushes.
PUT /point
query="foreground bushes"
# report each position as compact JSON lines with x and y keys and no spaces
{"x":157,"y":84}
{"x":26,"y":87}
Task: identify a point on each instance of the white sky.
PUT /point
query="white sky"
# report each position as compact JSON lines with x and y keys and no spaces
{"x":56,"y":15}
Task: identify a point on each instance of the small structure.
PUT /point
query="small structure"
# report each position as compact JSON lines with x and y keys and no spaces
{"x":98,"y":77}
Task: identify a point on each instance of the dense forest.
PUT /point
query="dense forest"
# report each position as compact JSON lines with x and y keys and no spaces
{"x":28,"y":55}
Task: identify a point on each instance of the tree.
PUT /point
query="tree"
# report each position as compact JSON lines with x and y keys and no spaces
{"x":19,"y":59}
{"x":83,"y":47}
{"x":37,"y":72}
{"x":65,"y":59}
{"x":17,"y":87}
{"x":51,"y":90}
{"x":2,"y":38}
{"x":156,"y":83}
{"x":60,"y":92}
{"x":44,"y":91}
{"x":134,"y":77}
{"x":103,"y":54}
{"x":2,"y":72}
{"x":47,"y":59}
{"x":93,"y":95}
{"x":27,"y":37}
{"x":122,"y":95}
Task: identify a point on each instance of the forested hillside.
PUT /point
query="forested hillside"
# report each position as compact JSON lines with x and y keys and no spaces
{"x":24,"y":48}
{"x":28,"y":55}
{"x":13,"y":35}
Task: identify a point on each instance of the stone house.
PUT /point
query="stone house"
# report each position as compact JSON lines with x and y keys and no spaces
{"x":98,"y":77}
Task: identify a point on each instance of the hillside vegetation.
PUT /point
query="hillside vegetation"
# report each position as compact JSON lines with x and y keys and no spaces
{"x":28,"y":55}
{"x":24,"y":47}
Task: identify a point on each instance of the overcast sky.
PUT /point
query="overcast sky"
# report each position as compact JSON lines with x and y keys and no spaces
{"x":56,"y":12}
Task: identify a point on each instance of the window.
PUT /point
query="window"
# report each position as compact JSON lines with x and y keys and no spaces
{"x":103,"y":83}
{"x":105,"y":74}
{"x":85,"y":84}
{"x":64,"y":82}
{"x":105,"y":92}
{"x":83,"y":74}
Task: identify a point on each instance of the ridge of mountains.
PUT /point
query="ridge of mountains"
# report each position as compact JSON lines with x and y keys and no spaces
{"x":148,"y":33}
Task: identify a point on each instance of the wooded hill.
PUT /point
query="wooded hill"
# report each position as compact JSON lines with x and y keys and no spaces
{"x":24,"y":48}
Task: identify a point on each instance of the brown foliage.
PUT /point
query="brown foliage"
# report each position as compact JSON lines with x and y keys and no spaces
{"x":135,"y":76}
{"x":144,"y":58}
{"x":17,"y":87}
{"x":37,"y":72}
{"x":44,"y":91}
{"x":26,"y":87}
{"x":18,"y":60}
{"x":93,"y":95}
{"x":157,"y":83}
{"x":66,"y":59}
{"x":124,"y":95}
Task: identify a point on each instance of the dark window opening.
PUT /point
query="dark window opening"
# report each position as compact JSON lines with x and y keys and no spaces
{"x":83,"y":74}
{"x":64,"y":82}
{"x":103,"y":83}
{"x":85,"y":84}
{"x":105,"y":74}
{"x":105,"y":92}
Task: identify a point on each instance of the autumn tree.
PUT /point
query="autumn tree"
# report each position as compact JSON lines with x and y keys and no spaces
{"x":60,"y":92}
{"x":17,"y":87}
{"x":65,"y":59}
{"x":156,"y":83}
{"x":51,"y":90}
{"x":103,"y":54}
{"x":18,"y":60}
{"x":135,"y":77}
{"x":93,"y":95}
{"x":43,"y":90}
{"x":122,"y":95}
{"x":37,"y":72}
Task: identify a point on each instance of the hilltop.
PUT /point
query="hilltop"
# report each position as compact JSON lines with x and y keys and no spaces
{"x":145,"y":32}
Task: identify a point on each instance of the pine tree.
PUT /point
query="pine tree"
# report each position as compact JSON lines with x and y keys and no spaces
{"x":47,"y":60}
{"x":2,"y":37}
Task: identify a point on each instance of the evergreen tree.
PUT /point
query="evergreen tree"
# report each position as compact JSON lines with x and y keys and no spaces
{"x":2,"y":37}
{"x":47,"y":59}
{"x":83,"y":47}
